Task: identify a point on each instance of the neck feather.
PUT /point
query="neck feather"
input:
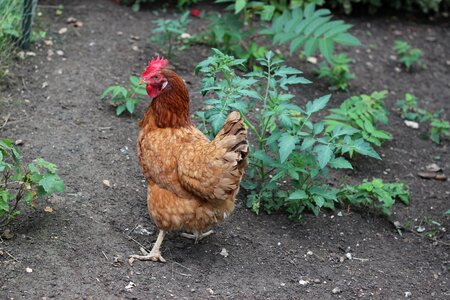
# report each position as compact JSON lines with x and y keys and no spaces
{"x":170,"y":108}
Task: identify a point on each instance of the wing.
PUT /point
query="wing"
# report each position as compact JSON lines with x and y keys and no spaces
{"x":213,"y":170}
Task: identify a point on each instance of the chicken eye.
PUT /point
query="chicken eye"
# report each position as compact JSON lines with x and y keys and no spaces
{"x":156,"y":77}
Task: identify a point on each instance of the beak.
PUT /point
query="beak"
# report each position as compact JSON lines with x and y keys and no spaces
{"x":141,"y":81}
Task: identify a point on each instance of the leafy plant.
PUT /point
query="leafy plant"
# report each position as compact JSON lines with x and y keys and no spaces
{"x":361,"y":112}
{"x":169,"y":33}
{"x":287,"y":145}
{"x":311,"y":30}
{"x":22,"y":184}
{"x":229,"y":33}
{"x":439,"y":128}
{"x":426,"y":6}
{"x":375,"y":194}
{"x":265,"y":8}
{"x":125,"y":99}
{"x":338,"y":71}
{"x":408,"y":56}
{"x":410,"y":110}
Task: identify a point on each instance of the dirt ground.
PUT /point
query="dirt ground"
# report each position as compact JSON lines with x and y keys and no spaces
{"x":80,"y":250}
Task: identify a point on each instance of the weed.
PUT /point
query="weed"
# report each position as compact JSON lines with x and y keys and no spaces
{"x":407,"y":55}
{"x":410,"y":110}
{"x":125,"y":99}
{"x":23,"y":184}
{"x":361,"y":112}
{"x":338,"y":71}
{"x":169,"y":33}
{"x":287,"y":146}
{"x":375,"y":194}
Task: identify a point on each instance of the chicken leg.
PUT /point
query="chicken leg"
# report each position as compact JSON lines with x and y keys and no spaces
{"x":155,"y":253}
{"x":197,"y":235}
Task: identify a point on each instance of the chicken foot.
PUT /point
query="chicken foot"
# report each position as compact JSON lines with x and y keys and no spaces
{"x":197,"y":235}
{"x":154,"y":254}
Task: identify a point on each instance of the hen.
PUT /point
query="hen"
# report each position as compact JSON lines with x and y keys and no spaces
{"x":192,"y":181}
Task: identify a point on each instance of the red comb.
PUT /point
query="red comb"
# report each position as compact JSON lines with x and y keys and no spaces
{"x":155,"y":65}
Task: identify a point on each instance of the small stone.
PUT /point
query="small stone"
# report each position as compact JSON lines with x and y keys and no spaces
{"x":7,"y":234}
{"x":30,"y":53}
{"x":393,"y":57}
{"x":411,"y":124}
{"x":135,"y":48}
{"x":135,"y":37}
{"x":397,"y":69}
{"x":48,"y":209}
{"x":348,"y":255}
{"x":397,"y":32}
{"x":18,"y":143}
{"x":224,"y":252}
{"x":71,"y":20}
{"x":185,"y":35}
{"x":408,"y":294}
{"x":29,"y":270}
{"x":303,"y":282}
{"x":62,"y":30}
{"x":106,"y":183}
{"x":48,"y":42}
{"x":317,"y":281}
{"x":433,"y":168}
{"x":44,"y":84}
{"x":336,"y":290}
{"x":210,"y":291}
{"x":312,"y":60}
{"x":119,"y":33}
{"x":78,"y":24}
{"x":309,"y":253}
{"x":130,"y":286}
{"x":60,"y":52}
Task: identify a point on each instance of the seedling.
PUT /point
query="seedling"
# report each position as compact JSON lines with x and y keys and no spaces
{"x":408,"y":56}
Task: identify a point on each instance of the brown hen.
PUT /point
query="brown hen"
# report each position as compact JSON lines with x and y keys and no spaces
{"x":192,"y":181}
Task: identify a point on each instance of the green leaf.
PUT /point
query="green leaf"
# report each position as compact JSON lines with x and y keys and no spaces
{"x":362,"y":147}
{"x":326,"y":48}
{"x":298,"y":195}
{"x":107,"y":91}
{"x":347,"y":39}
{"x":286,"y":144}
{"x":317,"y":104}
{"x":239,"y":5}
{"x":307,"y":143}
{"x":324,"y":154}
{"x":46,"y":165}
{"x":120,"y":109}
{"x":51,"y":183}
{"x":340,"y":163}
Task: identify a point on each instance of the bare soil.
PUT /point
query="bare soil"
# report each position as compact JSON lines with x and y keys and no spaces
{"x":80,"y":250}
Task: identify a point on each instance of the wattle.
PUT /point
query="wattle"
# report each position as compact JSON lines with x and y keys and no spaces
{"x":152,"y":91}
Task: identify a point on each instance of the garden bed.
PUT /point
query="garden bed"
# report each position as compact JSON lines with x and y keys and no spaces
{"x":80,"y":249}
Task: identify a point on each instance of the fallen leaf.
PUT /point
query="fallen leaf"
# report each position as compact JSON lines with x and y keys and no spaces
{"x":48,"y":209}
{"x":7,"y":234}
{"x":62,"y":30}
{"x":30,"y":53}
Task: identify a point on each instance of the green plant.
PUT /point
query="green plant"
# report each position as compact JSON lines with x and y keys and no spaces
{"x":312,"y":30}
{"x":426,"y":6}
{"x":169,"y":33}
{"x":375,"y":194}
{"x":439,"y":128}
{"x":265,"y":8}
{"x":410,"y":110}
{"x":22,"y":184}
{"x":229,"y":33}
{"x":407,"y":55}
{"x":287,"y":145}
{"x":125,"y":99}
{"x":338,"y":71}
{"x":361,"y":112}
{"x":10,"y":31}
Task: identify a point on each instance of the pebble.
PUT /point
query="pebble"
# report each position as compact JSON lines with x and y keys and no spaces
{"x":336,"y":290}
